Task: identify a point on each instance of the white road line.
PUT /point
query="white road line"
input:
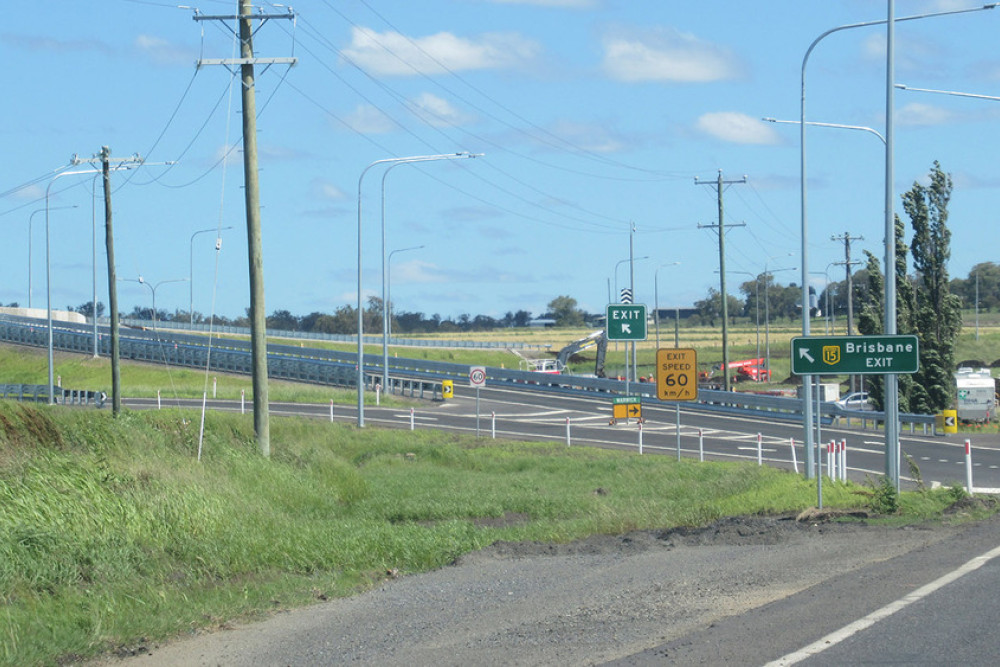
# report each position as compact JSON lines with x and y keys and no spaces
{"x":871,"y":619}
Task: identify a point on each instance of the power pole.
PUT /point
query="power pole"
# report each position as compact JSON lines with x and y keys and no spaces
{"x":847,"y":264}
{"x":104,"y":158}
{"x":720,"y":186}
{"x":258,"y":316}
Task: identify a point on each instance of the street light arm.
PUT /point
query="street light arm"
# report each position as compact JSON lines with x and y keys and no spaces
{"x":807,"y":379}
{"x":360,"y":362}
{"x":954,"y":93}
{"x":863,"y":128}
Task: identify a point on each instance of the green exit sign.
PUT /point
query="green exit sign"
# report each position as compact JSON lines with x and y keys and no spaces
{"x":855,"y":355}
{"x":626,"y":321}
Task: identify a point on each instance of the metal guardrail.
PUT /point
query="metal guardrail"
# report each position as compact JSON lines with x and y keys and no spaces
{"x":337,"y":338}
{"x":39,"y":393}
{"x":419,"y":378}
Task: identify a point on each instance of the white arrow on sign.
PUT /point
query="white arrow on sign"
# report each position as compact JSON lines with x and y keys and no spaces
{"x":626,"y":328}
{"x":803,"y":352}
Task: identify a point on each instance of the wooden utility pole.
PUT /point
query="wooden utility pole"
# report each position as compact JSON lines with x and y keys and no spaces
{"x":847,"y":264}
{"x":109,"y":242}
{"x":720,"y":186}
{"x":258,"y":316}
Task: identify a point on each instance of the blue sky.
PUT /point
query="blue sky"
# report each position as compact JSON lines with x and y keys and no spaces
{"x":593,"y":115}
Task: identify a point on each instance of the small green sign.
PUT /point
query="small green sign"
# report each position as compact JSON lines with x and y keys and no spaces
{"x":626,"y":321}
{"x":855,"y":355}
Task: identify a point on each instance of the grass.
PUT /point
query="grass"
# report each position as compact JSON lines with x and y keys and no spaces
{"x":112,"y":533}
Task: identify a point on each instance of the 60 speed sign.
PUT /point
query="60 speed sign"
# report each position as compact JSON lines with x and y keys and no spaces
{"x":477,"y":376}
{"x":677,"y":374}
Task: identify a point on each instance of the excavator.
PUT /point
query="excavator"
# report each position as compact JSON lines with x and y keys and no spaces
{"x":598,"y":338}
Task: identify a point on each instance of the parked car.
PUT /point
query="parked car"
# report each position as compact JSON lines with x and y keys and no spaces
{"x":857,"y":400}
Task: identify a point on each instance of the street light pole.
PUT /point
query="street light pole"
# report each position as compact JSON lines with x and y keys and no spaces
{"x":31,"y":219}
{"x":807,"y":407}
{"x":656,"y":299}
{"x":361,"y":326}
{"x":153,"y":288}
{"x":385,"y":259}
{"x":767,"y":311}
{"x":48,"y":274}
{"x":191,"y":266}
{"x":756,"y":298}
{"x":388,"y":285}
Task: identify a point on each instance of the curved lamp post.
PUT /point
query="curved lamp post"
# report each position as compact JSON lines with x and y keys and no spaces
{"x":191,"y":266}
{"x":656,"y":304}
{"x":388,"y":289}
{"x":385,"y":258}
{"x":31,"y":219}
{"x":48,"y":274}
{"x":152,"y":288}
{"x":361,"y":326}
{"x":807,"y":408}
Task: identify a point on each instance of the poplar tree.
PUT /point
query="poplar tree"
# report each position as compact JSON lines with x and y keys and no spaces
{"x":937,"y":313}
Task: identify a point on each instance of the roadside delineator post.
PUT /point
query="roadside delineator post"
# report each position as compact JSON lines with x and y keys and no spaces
{"x":701,"y":445}
{"x":843,"y":460}
{"x":795,"y":462}
{"x":968,"y":466}
{"x":567,"y":432}
{"x":831,"y":460}
{"x":760,"y":450}
{"x":640,"y":437}
{"x":412,"y":423}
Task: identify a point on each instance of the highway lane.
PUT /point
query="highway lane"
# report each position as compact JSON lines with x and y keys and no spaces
{"x":935,"y":605}
{"x":518,"y":412}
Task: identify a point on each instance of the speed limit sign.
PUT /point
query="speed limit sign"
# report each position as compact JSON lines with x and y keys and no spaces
{"x":477,"y":376}
{"x":677,"y":374}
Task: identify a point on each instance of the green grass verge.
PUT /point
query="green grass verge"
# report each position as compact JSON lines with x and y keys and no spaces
{"x":112,"y":531}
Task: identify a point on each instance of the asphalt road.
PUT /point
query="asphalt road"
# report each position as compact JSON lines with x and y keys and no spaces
{"x":935,"y":605}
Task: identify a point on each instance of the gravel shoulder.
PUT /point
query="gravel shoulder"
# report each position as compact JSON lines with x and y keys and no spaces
{"x":583,"y":603}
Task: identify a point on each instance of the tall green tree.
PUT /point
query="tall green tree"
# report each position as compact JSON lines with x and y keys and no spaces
{"x":937,"y":313}
{"x":565,"y":312}
{"x":871,"y":320}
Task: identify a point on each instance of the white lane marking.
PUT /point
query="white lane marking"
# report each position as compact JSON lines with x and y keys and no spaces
{"x":871,"y":619}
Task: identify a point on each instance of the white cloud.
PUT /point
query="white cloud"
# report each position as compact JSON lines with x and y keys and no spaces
{"x":326,"y":190}
{"x":162,"y":52}
{"x":393,"y":54}
{"x":417,"y":271}
{"x":366,"y":119}
{"x":667,"y":55}
{"x":918,"y":114}
{"x":437,"y":111}
{"x":737,"y":128}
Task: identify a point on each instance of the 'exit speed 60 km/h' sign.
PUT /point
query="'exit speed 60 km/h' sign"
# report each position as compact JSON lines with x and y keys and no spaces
{"x":677,"y":374}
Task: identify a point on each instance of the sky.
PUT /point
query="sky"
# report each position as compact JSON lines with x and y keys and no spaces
{"x":601,"y":127}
